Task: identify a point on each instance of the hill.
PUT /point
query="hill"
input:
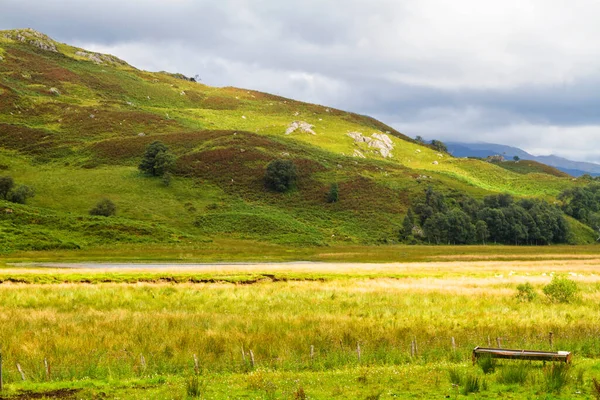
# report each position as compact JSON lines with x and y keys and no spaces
{"x":483,"y":150}
{"x":74,"y":125}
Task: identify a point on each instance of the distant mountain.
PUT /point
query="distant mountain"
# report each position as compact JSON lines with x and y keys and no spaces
{"x":574,"y":168}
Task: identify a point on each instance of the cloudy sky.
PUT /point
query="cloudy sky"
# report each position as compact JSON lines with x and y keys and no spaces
{"x":518,"y":72}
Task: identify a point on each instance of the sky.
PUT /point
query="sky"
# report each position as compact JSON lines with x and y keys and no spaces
{"x":524,"y":73}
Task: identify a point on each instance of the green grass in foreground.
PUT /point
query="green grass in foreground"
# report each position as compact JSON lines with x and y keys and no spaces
{"x":122,"y":340}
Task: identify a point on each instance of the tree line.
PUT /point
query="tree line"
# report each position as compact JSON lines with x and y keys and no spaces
{"x":437,"y":219}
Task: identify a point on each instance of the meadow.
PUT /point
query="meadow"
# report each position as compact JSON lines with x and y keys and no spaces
{"x":297,"y":330}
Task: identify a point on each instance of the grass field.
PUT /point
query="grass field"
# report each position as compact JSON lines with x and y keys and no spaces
{"x":134,"y":333}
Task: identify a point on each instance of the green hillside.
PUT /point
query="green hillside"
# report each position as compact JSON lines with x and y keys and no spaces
{"x":74,"y":125}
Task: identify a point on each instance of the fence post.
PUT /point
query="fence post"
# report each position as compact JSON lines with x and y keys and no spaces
{"x":551,"y":338}
{"x":499,"y":342}
{"x":312,"y":352}
{"x":453,"y":345}
{"x":358,"y":350}
{"x":196,"y":365}
{"x":252,"y":358}
{"x":47,"y":367}
{"x":1,"y":381}
{"x":21,"y":371}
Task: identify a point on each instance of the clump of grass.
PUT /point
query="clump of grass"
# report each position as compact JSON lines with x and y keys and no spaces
{"x":526,"y":292}
{"x":514,"y":374}
{"x":556,"y":377}
{"x":374,"y":396}
{"x":300,"y":394}
{"x":455,"y":376}
{"x":472,"y":385}
{"x":195,"y":386}
{"x":596,"y":388}
{"x":487,"y":363}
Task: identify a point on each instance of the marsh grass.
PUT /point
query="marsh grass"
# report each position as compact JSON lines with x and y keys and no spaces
{"x":512,"y":374}
{"x":487,"y":363}
{"x":195,"y":386}
{"x":596,"y":388}
{"x":556,"y":376}
{"x":280,"y":319}
{"x":455,"y":376}
{"x":472,"y":384}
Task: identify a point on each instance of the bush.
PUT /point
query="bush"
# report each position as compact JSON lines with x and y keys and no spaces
{"x":526,"y":292}
{"x":333,"y":195}
{"x":281,"y":175}
{"x":561,"y":290}
{"x":104,"y":208}
{"x":6,"y":184}
{"x":157,"y":160}
{"x":20,"y":194}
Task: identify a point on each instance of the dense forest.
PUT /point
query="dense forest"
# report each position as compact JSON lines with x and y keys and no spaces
{"x":438,"y":219}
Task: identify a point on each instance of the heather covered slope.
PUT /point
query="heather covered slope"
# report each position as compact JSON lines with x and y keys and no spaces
{"x":74,"y":125}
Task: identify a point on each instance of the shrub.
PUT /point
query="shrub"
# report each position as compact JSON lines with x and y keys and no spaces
{"x":166,"y":179}
{"x":333,"y":195}
{"x":561,"y":290}
{"x":20,"y":194}
{"x":157,"y":159}
{"x":104,"y":208}
{"x":526,"y":292}
{"x":6,"y":184}
{"x":281,"y":175}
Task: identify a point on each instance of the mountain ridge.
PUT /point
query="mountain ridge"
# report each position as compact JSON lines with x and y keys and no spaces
{"x":484,"y":149}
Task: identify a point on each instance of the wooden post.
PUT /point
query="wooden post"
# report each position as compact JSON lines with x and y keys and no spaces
{"x":412,"y":349}
{"x":358,"y":350}
{"x":551,"y":338}
{"x":499,"y":342}
{"x":416,"y":347}
{"x":47,"y":367}
{"x":312,"y":352}
{"x":243,"y":355}
{"x":196,"y":365}
{"x":453,"y":345}
{"x":489,"y":341}
{"x":20,"y":371}
{"x":143,"y":362}
{"x":252,"y":358}
{"x":1,"y":380}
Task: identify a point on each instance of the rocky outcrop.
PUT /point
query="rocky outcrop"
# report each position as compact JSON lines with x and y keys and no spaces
{"x":99,"y":58}
{"x":302,"y":126}
{"x":33,"y":38}
{"x":379,"y":141}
